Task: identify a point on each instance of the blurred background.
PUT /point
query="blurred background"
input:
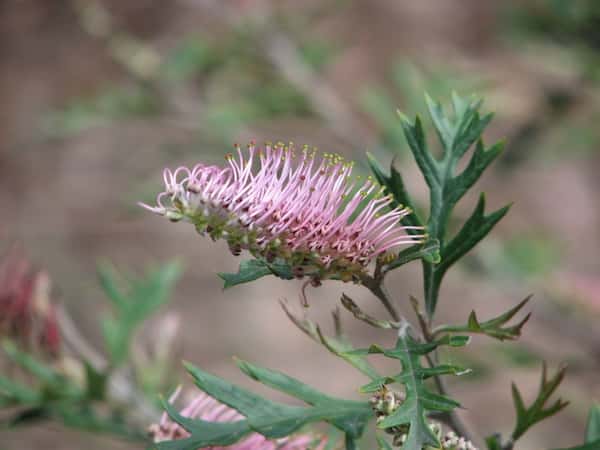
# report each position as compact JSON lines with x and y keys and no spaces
{"x":99,"y":95}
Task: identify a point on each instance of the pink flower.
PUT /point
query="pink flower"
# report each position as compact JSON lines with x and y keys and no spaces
{"x":26,"y":311}
{"x":281,"y":203}
{"x":208,"y":409}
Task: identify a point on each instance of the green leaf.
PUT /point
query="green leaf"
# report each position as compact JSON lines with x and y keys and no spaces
{"x":394,"y":185}
{"x":592,"y":430}
{"x":295,"y":388}
{"x":40,"y":370}
{"x":276,"y":420}
{"x":15,"y":393}
{"x":457,"y":133}
{"x":429,"y":251}
{"x":480,"y":161}
{"x":538,"y":410}
{"x":204,"y":434}
{"x":415,"y":136}
{"x":420,"y":400}
{"x":133,"y":303}
{"x":338,"y":345}
{"x":253,"y":269}
{"x":494,"y":327}
{"x":473,"y":231}
{"x":383,"y":444}
{"x":494,"y":442}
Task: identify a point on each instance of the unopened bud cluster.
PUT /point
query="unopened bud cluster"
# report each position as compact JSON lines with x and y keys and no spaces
{"x":385,"y":402}
{"x":451,"y":441}
{"x":288,"y":205}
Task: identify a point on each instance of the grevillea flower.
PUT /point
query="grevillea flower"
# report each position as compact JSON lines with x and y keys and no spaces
{"x":288,"y":205}
{"x":26,"y":311}
{"x":208,"y":409}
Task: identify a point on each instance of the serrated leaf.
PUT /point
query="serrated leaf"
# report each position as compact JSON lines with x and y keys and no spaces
{"x":253,"y":269}
{"x":474,"y":230}
{"x":457,"y":134}
{"x":494,"y":327}
{"x":420,"y":400}
{"x":538,"y":410}
{"x":394,"y":185}
{"x":415,"y":137}
{"x":479,"y":162}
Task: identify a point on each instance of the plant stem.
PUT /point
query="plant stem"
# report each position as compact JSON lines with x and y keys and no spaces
{"x":378,"y":289}
{"x":509,"y":445}
{"x":350,"y":443}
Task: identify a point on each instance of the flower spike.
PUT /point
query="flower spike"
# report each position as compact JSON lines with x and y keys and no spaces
{"x":284,"y":204}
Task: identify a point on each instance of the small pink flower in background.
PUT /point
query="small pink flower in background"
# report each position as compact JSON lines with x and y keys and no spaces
{"x":27,"y":313}
{"x":208,"y":409}
{"x":281,"y":203}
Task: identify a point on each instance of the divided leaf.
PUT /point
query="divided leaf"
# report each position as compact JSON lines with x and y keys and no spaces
{"x":477,"y":226}
{"x":457,"y":132}
{"x":494,"y":327}
{"x":271,"y":419}
{"x":394,"y":185}
{"x":420,"y":400}
{"x":538,"y":410}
